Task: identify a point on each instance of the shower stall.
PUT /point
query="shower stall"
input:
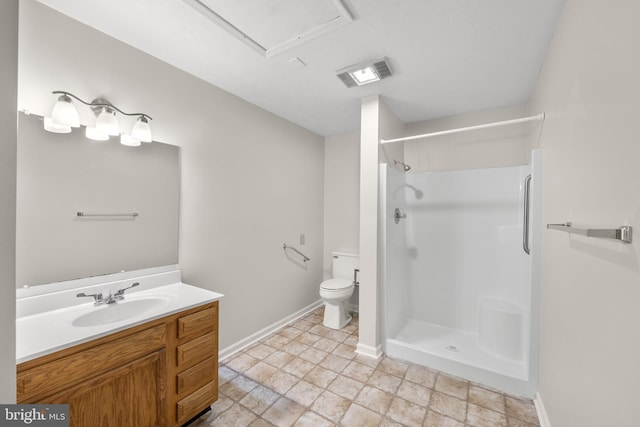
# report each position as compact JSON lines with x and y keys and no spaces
{"x":460,"y":265}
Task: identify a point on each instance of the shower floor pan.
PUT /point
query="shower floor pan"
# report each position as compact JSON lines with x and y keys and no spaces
{"x":457,"y":352}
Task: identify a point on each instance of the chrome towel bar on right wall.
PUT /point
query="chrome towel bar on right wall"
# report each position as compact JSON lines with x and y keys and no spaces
{"x":623,"y":233}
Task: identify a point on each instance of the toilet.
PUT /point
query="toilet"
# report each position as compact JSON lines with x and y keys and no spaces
{"x":336,"y":291}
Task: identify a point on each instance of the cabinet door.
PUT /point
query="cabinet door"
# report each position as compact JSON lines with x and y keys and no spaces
{"x":132,"y":395}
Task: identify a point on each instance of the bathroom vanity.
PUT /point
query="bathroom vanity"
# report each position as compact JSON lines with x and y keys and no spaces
{"x":156,"y":368}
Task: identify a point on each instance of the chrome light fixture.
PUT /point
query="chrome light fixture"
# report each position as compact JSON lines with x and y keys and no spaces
{"x":65,"y":116}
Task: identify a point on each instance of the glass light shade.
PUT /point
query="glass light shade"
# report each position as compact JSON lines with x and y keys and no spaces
{"x":64,"y":113}
{"x":107,"y":123}
{"x":95,"y":134}
{"x":141,"y":130}
{"x":129,"y":141}
{"x":50,"y":126}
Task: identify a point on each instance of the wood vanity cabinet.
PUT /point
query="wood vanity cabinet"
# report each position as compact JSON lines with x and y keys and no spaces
{"x":161,"y":373}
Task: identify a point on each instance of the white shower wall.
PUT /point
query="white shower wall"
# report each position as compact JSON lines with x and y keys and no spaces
{"x":464,"y":238}
{"x":456,"y":281}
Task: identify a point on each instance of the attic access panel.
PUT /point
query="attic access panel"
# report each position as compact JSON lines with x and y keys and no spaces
{"x":273,"y":26}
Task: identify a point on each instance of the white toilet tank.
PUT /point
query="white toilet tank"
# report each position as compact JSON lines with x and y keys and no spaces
{"x":343,"y":265}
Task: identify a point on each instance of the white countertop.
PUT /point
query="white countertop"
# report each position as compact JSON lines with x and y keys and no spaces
{"x":49,"y":331}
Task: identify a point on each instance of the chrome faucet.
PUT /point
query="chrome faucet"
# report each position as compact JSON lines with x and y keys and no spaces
{"x":108,"y":297}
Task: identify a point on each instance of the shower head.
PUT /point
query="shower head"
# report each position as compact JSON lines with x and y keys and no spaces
{"x":405,"y":166}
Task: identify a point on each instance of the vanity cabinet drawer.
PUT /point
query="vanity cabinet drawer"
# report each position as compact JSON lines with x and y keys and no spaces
{"x":63,"y":372}
{"x":196,"y":402}
{"x":197,"y":324}
{"x":197,"y":376}
{"x":197,"y":350}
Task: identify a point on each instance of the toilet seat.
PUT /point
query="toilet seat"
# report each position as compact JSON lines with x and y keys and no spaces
{"x":336,"y":284}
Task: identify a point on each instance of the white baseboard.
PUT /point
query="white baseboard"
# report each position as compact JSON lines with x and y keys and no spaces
{"x":253,"y":338}
{"x":367,"y":350}
{"x":541,"y":411}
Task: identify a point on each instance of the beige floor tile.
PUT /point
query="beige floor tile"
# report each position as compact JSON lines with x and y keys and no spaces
{"x":279,"y":359}
{"x":521,"y":410}
{"x":238,"y":387}
{"x":260,"y":351}
{"x":345,"y":350}
{"x":281,"y":382}
{"x":320,"y":376}
{"x":326,"y":344}
{"x":283,"y":413}
{"x":338,"y":336}
{"x":357,"y":416}
{"x":331,"y":406}
{"x":236,"y":416}
{"x":345,"y":387}
{"x":393,"y":367}
{"x":259,"y":399}
{"x":366,"y":360}
{"x":299,"y":367}
{"x":517,"y":423}
{"x":448,"y":405}
{"x":319,"y":330}
{"x":261,"y":372}
{"x":313,"y":355}
{"x":486,"y":398}
{"x":295,"y":347}
{"x":308,"y":338}
{"x":407,"y":413}
{"x":477,"y":416}
{"x":358,"y":371}
{"x":277,"y":341}
{"x":335,"y":363}
{"x":452,"y":385}
{"x":261,"y":423}
{"x":290,"y":332}
{"x":311,"y":419}
{"x":304,"y":324}
{"x":308,"y":375}
{"x":374,"y":399}
{"x":225,"y":374}
{"x":384,"y":382}
{"x":241,"y":362}
{"x":414,"y":393}
{"x":222,"y":404}
{"x":352,"y":340}
{"x":434,"y":419}
{"x":421,"y":375}
{"x":304,"y":393}
{"x":390,"y":423}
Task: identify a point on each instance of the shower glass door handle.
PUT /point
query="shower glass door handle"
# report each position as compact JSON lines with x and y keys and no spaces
{"x":525,"y":222}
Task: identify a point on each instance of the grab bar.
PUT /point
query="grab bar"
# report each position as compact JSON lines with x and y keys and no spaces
{"x":304,"y":257}
{"x":84,"y":214}
{"x":623,"y":233}
{"x":525,"y":219}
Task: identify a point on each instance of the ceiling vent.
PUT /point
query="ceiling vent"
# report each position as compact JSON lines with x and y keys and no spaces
{"x":365,"y":73}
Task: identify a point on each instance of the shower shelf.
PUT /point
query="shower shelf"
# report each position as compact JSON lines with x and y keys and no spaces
{"x":623,"y":233}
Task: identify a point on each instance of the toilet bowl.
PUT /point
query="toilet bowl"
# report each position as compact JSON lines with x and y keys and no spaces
{"x":336,"y":291}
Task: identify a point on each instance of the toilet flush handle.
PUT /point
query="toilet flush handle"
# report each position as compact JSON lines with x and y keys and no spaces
{"x":355,"y":277}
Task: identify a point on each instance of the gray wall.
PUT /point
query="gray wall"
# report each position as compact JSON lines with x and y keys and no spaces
{"x":589,"y":90}
{"x":8,"y":127}
{"x":250,"y":180}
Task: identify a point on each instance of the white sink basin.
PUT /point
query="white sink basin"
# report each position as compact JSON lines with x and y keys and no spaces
{"x":116,"y":312}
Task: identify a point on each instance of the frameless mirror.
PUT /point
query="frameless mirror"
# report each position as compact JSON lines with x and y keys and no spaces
{"x":128,"y":198}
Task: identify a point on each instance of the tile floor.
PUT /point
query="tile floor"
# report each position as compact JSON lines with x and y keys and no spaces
{"x":308,"y":375}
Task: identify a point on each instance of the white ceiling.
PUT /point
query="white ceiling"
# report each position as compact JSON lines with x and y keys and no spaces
{"x":448,"y":56}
